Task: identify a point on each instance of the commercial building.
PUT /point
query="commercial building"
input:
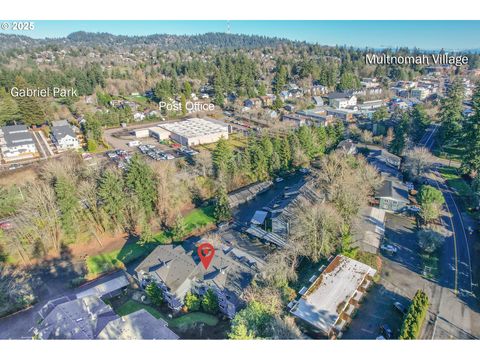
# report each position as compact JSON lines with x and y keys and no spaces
{"x":16,"y":143}
{"x":328,"y":305}
{"x":158,"y":133}
{"x":195,"y":131}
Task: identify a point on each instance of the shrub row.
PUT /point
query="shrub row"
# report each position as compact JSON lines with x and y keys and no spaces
{"x":413,"y":321}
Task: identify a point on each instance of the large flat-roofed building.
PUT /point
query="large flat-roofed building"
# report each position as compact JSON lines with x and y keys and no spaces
{"x":328,"y":304}
{"x":16,"y":143}
{"x":196,"y":131}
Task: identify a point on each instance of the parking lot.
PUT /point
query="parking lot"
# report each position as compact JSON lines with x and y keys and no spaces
{"x":400,"y":279}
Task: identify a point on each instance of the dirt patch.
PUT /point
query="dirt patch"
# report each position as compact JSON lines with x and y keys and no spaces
{"x":19,"y":176}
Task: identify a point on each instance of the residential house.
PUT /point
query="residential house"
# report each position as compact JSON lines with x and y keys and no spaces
{"x":140,"y":325}
{"x":347,"y":146}
{"x":420,"y":93}
{"x":177,"y":270}
{"x":267,"y":100}
{"x":392,"y":196}
{"x":139,"y":116}
{"x":67,"y":318}
{"x":16,"y":143}
{"x":331,"y":300}
{"x":89,"y":318}
{"x":341,"y":100}
{"x":64,"y":138}
{"x":253,"y":103}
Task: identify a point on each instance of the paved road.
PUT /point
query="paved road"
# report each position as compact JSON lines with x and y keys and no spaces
{"x":455,"y":308}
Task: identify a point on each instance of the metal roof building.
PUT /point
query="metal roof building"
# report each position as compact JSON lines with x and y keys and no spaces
{"x":196,"y":131}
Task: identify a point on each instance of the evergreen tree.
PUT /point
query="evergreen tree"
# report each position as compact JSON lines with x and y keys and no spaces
{"x":9,"y":111}
{"x":348,"y":81}
{"x":111,"y":194}
{"x":222,"y":157}
{"x":471,"y":158}
{"x":420,"y":122}
{"x":397,"y":146}
{"x":222,"y":211}
{"x":69,"y":206}
{"x":451,"y":114}
{"x":210,"y":302}
{"x":140,"y":181}
{"x":30,"y":108}
{"x":183,"y":102}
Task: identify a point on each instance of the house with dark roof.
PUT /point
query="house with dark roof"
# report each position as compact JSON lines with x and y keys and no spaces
{"x":16,"y":143}
{"x":347,"y":146}
{"x":89,"y":318}
{"x":341,"y":100}
{"x":177,"y":270}
{"x":73,"y":319}
{"x":272,"y":223}
{"x":392,"y":196}
{"x":140,"y":325}
{"x":64,"y":137}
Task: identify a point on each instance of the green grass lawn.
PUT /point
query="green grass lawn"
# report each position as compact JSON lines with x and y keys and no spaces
{"x":450,"y":152}
{"x":131,"y":251}
{"x":462,"y":188}
{"x":182,"y":321}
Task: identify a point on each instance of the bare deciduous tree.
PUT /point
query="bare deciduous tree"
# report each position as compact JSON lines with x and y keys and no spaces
{"x":417,"y":161}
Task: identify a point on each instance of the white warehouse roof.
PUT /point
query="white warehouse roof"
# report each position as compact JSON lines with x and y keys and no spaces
{"x":194,"y":127}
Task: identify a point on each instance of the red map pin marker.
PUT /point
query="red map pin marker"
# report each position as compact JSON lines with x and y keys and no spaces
{"x":205,"y":252}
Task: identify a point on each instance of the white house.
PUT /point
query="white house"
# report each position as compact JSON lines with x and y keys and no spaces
{"x":138,"y":116}
{"x":341,"y":100}
{"x":16,"y":143}
{"x":64,"y":138}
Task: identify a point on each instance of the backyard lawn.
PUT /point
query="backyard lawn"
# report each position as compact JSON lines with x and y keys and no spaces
{"x":182,"y":321}
{"x":131,"y":251}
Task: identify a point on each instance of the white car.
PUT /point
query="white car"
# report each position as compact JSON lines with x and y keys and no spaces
{"x":389,"y":248}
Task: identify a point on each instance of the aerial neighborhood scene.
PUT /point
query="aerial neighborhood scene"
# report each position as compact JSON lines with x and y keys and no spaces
{"x":226,"y":185}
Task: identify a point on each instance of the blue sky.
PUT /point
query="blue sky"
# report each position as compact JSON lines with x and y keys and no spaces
{"x":452,"y":35}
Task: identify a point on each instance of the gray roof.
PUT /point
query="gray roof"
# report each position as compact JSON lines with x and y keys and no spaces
{"x":369,"y":228}
{"x":179,"y":268}
{"x":59,"y":132}
{"x":59,"y":123}
{"x":339,"y":95}
{"x":140,"y":325}
{"x":76,"y":319}
{"x":16,"y":135}
{"x":393,"y":190}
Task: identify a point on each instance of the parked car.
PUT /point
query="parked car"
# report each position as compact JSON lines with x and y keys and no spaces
{"x":386,"y":331}
{"x":400,"y":307}
{"x":6,"y":225}
{"x":389,"y":248}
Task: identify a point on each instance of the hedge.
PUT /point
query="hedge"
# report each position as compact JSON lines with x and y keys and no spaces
{"x":412,"y":324}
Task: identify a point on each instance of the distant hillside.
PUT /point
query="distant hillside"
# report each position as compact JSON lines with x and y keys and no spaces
{"x":165,"y":41}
